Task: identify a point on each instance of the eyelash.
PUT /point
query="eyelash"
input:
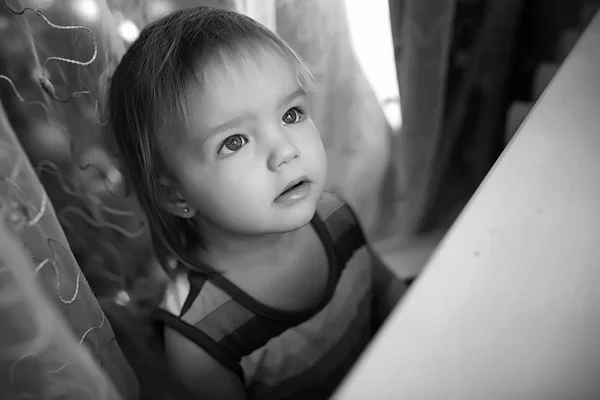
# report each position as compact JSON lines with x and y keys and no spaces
{"x":301,"y":113}
{"x":222,"y":145}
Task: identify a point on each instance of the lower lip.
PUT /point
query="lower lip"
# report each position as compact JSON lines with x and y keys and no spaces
{"x":298,"y":193}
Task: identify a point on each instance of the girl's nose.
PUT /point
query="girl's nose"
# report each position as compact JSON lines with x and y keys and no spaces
{"x":283,"y":150}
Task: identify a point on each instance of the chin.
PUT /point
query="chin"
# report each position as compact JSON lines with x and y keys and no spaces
{"x":296,"y":218}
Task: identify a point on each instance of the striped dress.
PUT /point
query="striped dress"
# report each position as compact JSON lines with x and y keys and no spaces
{"x":283,"y":354}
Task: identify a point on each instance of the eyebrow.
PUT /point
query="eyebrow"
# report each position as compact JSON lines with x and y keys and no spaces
{"x":300,"y":92}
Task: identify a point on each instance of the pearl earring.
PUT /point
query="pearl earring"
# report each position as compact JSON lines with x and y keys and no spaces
{"x":186,"y":210}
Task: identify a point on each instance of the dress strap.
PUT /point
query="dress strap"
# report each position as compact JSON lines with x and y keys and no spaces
{"x":201,"y":339}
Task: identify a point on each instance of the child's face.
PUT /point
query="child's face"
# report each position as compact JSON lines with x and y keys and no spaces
{"x":232,"y":176}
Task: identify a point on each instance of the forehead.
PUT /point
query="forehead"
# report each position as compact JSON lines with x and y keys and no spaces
{"x":246,"y":83}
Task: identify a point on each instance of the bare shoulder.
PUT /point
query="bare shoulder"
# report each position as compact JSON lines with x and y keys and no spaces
{"x":199,"y":372}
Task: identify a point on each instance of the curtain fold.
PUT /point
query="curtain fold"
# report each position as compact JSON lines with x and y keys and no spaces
{"x":476,"y":100}
{"x":55,"y":341}
{"x":423,"y":32}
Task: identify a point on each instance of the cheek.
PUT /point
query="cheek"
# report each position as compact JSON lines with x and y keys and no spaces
{"x":235,"y":199}
{"x":232,"y":183}
{"x":312,"y":147}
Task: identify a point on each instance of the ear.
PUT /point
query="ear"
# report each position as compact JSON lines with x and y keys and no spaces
{"x":173,"y":201}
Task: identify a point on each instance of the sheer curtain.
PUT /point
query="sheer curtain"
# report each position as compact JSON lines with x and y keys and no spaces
{"x":423,"y":35}
{"x":55,"y":341}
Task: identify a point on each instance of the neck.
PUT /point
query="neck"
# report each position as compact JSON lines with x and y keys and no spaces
{"x":225,"y":251}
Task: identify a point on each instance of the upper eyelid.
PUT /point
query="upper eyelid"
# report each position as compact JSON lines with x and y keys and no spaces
{"x":302,"y":111}
{"x":245,"y":137}
{"x":299,"y":109}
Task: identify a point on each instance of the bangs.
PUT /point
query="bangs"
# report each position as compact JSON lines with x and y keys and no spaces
{"x":219,"y":56}
{"x":253,"y":49}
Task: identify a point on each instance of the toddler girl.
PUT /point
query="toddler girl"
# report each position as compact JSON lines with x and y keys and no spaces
{"x":272,"y":290}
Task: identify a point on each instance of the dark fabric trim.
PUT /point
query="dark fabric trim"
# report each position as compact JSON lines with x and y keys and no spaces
{"x":202,"y":340}
{"x":353,"y":238}
{"x":321,"y":379}
{"x":253,"y":335}
{"x":296,"y":317}
{"x":350,"y":241}
{"x":196,"y":283}
{"x":256,"y":332}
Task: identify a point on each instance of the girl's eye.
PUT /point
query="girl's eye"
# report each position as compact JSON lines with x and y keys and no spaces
{"x":232,"y":144}
{"x":293,"y":116}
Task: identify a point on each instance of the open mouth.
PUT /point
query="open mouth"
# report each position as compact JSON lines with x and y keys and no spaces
{"x":295,"y":190}
{"x":294,"y":184}
{"x":294,"y":187}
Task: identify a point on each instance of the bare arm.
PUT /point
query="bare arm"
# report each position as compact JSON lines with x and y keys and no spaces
{"x":200,"y":373}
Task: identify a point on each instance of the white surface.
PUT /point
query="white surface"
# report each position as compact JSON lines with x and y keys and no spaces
{"x":509,"y":306}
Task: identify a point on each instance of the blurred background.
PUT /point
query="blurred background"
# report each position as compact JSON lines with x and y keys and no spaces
{"x":419,"y":99}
